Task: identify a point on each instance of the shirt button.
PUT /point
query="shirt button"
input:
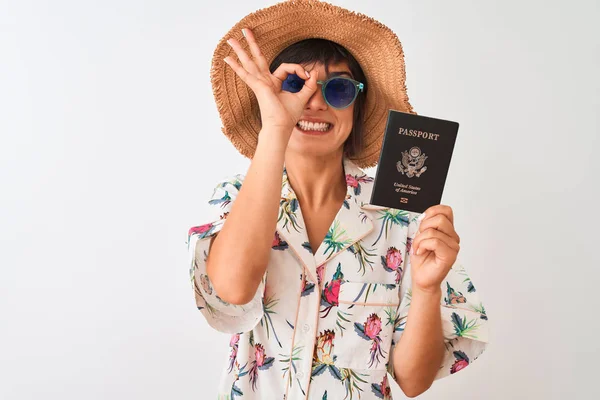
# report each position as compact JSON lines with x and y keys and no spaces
{"x":299,"y":375}
{"x":306,"y":328}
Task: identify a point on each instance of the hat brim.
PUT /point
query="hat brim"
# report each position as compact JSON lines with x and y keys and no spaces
{"x":376,"y":48}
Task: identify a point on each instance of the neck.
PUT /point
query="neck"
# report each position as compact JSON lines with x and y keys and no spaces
{"x":317,"y":181}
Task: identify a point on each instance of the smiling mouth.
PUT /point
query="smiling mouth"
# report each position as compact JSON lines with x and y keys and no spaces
{"x":312,"y":127}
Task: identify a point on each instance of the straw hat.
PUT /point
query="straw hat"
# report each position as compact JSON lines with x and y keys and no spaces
{"x":375,"y":47}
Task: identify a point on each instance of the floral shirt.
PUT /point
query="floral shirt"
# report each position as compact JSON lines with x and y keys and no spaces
{"x":325,"y":325}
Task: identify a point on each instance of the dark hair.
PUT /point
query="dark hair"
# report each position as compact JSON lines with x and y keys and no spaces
{"x":326,"y":52}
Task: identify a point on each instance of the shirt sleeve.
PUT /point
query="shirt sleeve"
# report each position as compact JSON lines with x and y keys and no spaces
{"x":464,"y":320}
{"x":220,"y":315}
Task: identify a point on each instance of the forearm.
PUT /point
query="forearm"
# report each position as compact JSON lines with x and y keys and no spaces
{"x":420,"y":351}
{"x":240,"y":253}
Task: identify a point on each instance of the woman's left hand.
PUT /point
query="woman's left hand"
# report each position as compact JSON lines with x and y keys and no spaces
{"x":434,"y":249}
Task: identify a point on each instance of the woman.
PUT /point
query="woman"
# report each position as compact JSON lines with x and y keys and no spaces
{"x":323,"y":293}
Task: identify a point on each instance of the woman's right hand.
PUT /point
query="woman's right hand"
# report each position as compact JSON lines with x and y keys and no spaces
{"x":278,"y":108}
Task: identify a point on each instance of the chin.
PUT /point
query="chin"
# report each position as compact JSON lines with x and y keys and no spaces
{"x":313,"y":150}
{"x":315,"y":146}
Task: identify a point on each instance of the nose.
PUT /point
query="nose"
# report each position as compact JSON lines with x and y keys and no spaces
{"x":317,"y":101}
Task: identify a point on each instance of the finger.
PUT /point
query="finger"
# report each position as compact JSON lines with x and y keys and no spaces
{"x":434,"y":234}
{"x":310,"y":86}
{"x":441,"y":223}
{"x":439,"y":209}
{"x":286,"y":69}
{"x":259,"y":58}
{"x":246,"y":61}
{"x":442,"y":250}
{"x":249,"y":79}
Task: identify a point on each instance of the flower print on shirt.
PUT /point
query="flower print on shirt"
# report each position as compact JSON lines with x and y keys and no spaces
{"x":326,"y":321}
{"x":233,"y":343}
{"x":382,"y":390}
{"x":364,"y":256}
{"x":462,"y":361}
{"x":307,"y":287}
{"x":225,"y":200}
{"x":278,"y":243}
{"x":287,"y":213}
{"x":290,"y":362}
{"x":392,"y":262}
{"x":390,"y":218}
{"x":205,"y":283}
{"x":261,"y":362}
{"x":370,"y":330}
{"x":238,"y":372}
{"x":408,"y":245}
{"x":202,"y":231}
{"x":331,"y":292}
{"x":353,"y":382}
{"x":323,"y":357}
{"x":269,"y":303}
{"x":354,"y":181}
{"x":454,"y":297}
{"x":336,"y":239}
{"x":320,"y":272}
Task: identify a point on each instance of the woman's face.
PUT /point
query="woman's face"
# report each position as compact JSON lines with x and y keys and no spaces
{"x":314,"y":142}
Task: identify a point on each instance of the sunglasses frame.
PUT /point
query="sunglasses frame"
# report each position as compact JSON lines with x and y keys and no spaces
{"x":358,"y":85}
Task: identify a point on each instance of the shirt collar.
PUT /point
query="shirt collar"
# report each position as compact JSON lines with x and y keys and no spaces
{"x":350,"y":225}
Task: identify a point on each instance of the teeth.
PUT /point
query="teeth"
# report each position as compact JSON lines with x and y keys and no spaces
{"x":313,"y":126}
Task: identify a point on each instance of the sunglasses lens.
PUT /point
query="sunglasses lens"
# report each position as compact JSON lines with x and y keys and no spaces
{"x":293,"y":83}
{"x":340,"y":92}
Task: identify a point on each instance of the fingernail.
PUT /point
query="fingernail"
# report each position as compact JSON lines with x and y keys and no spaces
{"x":418,"y":251}
{"x":421,"y":217}
{"x":244,"y":32}
{"x":307,"y":74}
{"x":229,"y":42}
{"x":226,"y":60}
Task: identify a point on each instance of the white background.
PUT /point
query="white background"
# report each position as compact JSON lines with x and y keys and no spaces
{"x":111,"y":146}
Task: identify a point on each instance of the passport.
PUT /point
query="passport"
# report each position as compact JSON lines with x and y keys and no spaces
{"x":414,"y":161}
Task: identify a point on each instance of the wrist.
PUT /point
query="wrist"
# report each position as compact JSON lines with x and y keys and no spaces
{"x":274,"y":138}
{"x":429,"y":293}
{"x":272,"y":143}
